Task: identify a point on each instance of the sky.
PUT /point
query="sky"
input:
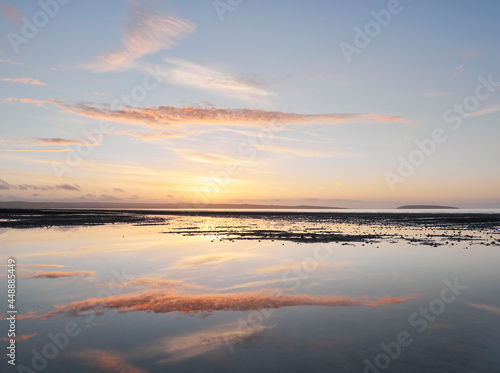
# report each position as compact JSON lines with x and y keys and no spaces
{"x":357,"y":104}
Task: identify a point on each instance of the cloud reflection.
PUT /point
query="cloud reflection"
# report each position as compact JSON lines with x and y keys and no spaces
{"x":159,"y":301}
{"x":107,"y":360}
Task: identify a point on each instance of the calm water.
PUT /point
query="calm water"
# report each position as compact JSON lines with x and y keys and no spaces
{"x":135,"y":299}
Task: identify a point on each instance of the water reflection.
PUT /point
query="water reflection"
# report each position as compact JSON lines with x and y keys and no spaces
{"x":142,"y":299}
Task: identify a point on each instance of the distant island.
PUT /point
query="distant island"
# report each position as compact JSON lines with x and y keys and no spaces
{"x":423,"y":207}
{"x":166,"y":206}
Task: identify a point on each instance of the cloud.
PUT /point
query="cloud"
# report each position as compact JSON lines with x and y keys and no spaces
{"x":11,"y":12}
{"x":59,"y":141}
{"x":5,"y":185}
{"x":280,"y":268}
{"x":171,"y":116}
{"x":460,"y":69}
{"x":159,"y":301}
{"x":151,"y":282}
{"x":24,"y":81}
{"x":293,"y":152}
{"x":487,"y":110}
{"x":106,"y":360}
{"x":195,"y":344}
{"x":194,"y":75}
{"x":209,"y":259}
{"x":118,"y":190}
{"x":10,"y":61}
{"x":204,"y":157}
{"x":38,"y":103}
{"x":486,"y":307}
{"x":58,"y":274}
{"x":145,"y":33}
{"x":22,"y":337}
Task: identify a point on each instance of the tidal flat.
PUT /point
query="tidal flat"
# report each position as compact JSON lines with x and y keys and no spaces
{"x":184,"y":291}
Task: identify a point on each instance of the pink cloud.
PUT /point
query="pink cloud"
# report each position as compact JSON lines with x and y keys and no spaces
{"x":176,"y":116}
{"x":107,"y":360}
{"x":145,"y":33}
{"x":24,"y":81}
{"x":11,"y":12}
{"x":159,"y":301}
{"x":58,"y":274}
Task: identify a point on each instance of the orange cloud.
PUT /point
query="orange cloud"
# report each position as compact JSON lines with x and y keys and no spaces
{"x":19,"y":337}
{"x":165,"y":302}
{"x":10,"y":61}
{"x":29,"y":315}
{"x":175,"y":116}
{"x":110,"y":361}
{"x":146,"y":33}
{"x":11,"y":12}
{"x":59,"y":274}
{"x":38,"y":103}
{"x":24,"y":81}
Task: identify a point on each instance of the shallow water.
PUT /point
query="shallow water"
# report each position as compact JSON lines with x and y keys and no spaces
{"x":136,"y":299}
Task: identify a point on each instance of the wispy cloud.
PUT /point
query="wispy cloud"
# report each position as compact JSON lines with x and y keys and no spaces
{"x":195,"y":344}
{"x":210,"y":259}
{"x":106,"y":360}
{"x":204,"y":157}
{"x":24,"y":81}
{"x":11,"y":12}
{"x":488,"y":110}
{"x":10,"y":100}
{"x":4,"y":185}
{"x":486,"y":307}
{"x":289,"y":266}
{"x":40,"y":274}
{"x":10,"y":61}
{"x":460,"y":69}
{"x":188,"y":73}
{"x":294,"y":152}
{"x":176,"y":116}
{"x":145,"y":33}
{"x":159,"y":283}
{"x":22,"y":337}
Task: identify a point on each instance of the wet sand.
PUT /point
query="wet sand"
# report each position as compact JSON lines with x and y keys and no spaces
{"x":307,"y":227}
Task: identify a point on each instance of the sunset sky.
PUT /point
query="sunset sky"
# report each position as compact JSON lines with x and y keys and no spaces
{"x":268,"y":102}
